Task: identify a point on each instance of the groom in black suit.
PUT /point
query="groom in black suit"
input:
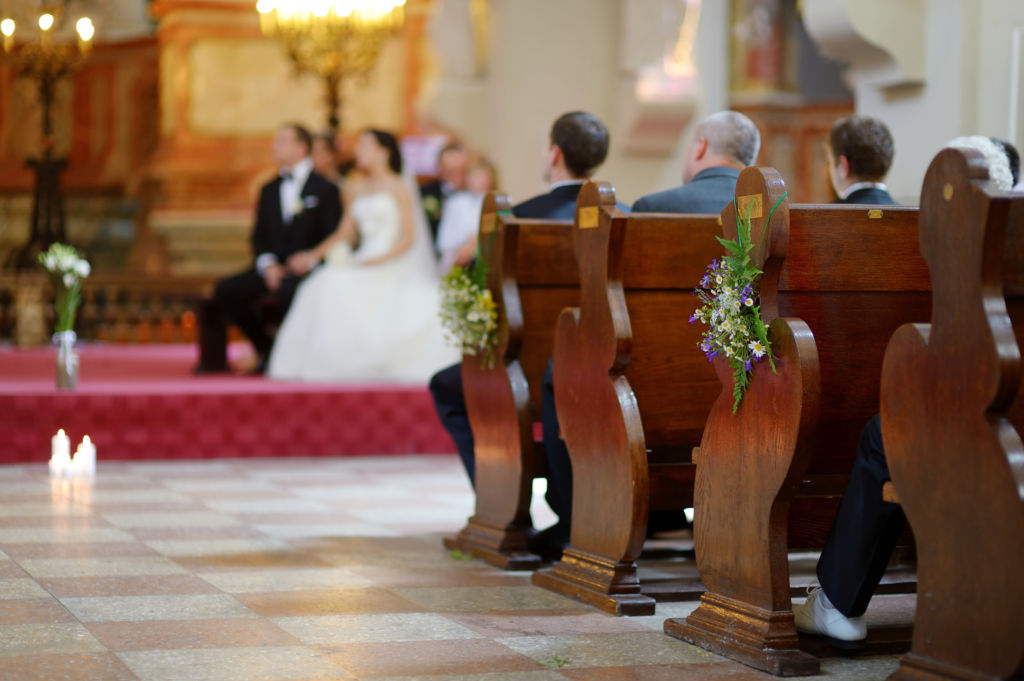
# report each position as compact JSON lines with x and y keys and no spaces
{"x":297,"y":210}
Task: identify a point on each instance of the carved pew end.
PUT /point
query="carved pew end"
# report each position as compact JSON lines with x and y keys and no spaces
{"x":595,"y":580}
{"x":502,"y":547}
{"x":757,"y":638}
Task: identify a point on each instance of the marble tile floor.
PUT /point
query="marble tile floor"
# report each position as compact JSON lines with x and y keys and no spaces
{"x":297,"y":570}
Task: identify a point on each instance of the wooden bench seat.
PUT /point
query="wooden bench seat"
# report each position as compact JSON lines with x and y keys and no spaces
{"x":838,"y":282}
{"x":532,"y":277}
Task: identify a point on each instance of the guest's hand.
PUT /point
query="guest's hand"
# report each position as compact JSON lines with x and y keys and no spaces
{"x":301,"y":262}
{"x":273,"y":274}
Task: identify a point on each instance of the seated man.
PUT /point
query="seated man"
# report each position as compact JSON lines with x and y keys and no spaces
{"x":297,"y":210}
{"x":578,"y":146}
{"x":859,"y":154}
{"x":866,"y":528}
{"x":723,"y":144}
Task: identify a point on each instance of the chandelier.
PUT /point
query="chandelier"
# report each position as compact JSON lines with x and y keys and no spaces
{"x":335,"y":39}
{"x":46,"y":56}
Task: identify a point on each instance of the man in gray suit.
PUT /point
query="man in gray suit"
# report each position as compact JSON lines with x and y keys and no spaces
{"x":723,"y":144}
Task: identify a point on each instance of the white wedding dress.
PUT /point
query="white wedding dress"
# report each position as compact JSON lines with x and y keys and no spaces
{"x":351,"y":322}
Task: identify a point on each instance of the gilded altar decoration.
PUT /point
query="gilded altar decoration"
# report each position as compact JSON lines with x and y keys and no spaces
{"x":334,"y":39}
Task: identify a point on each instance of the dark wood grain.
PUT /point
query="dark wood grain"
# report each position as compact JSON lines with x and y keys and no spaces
{"x":948,"y":408}
{"x":838,"y":281}
{"x":628,"y":350}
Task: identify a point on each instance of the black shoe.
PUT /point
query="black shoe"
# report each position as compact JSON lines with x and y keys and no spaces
{"x":550,"y":542}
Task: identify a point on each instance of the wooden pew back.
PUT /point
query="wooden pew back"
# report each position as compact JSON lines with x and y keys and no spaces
{"x":531,"y":277}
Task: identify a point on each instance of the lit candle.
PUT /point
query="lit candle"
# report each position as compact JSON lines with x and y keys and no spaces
{"x":85,"y":32}
{"x":85,"y":458}
{"x":60,"y":454}
{"x":45,"y":24}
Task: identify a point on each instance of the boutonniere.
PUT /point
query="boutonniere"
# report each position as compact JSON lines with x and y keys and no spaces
{"x":432,"y":206}
{"x":297,"y":206}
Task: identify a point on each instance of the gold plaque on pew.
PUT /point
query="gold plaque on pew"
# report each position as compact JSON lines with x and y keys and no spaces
{"x":588,"y":217}
{"x":749,"y":206}
{"x":875,"y":214}
{"x":488,"y":222}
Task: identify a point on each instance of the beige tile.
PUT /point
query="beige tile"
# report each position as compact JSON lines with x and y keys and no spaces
{"x":100,"y":567}
{"x":394,"y":659}
{"x":39,"y":639}
{"x":477,"y":598}
{"x":23,"y":552}
{"x":233,"y":664}
{"x":34,"y":611}
{"x":142,"y":608}
{"x":284,"y":506}
{"x":188,"y":519}
{"x":554,"y":623}
{"x":49,"y":535}
{"x":215,"y":547}
{"x":333,"y":529}
{"x":21,"y":588}
{"x":544,"y":675}
{"x":374,"y":628}
{"x":262,"y":581}
{"x":608,"y":650}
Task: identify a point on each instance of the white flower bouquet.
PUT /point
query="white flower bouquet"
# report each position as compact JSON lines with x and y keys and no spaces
{"x":468,"y":311}
{"x":67,"y":269}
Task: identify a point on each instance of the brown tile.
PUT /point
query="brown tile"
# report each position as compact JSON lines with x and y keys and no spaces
{"x":308,"y":603}
{"x":126,"y":585}
{"x":459,"y":574}
{"x":11,"y":570}
{"x":730,"y":671}
{"x":33,"y":611}
{"x":181,"y":635}
{"x":545,"y":623}
{"x":78,"y":550}
{"x":427,"y":658}
{"x":74,"y":667}
{"x":253,"y":560}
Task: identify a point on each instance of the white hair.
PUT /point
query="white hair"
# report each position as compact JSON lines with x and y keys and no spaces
{"x":998,"y":165}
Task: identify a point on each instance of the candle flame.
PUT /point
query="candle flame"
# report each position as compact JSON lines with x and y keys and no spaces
{"x":7,"y":27}
{"x":46,"y":21}
{"x":85,"y":28}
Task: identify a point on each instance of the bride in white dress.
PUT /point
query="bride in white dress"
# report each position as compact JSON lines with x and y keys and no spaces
{"x":369,"y":314}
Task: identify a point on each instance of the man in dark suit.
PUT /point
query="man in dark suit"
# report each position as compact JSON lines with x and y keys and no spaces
{"x":723,"y":144}
{"x":859,"y":154}
{"x":296,"y":211}
{"x":452,"y":162}
{"x":578,"y":146}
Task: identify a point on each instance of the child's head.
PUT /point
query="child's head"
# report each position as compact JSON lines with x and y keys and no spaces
{"x":480,"y":178}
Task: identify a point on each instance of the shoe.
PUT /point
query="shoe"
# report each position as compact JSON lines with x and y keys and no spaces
{"x":549,"y":543}
{"x":818,"y":616}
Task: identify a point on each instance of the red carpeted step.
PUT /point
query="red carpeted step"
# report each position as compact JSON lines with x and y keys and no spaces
{"x":141,"y":402}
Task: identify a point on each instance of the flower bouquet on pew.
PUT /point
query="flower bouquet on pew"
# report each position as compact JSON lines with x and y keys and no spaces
{"x":468,"y":311}
{"x":731,"y":308}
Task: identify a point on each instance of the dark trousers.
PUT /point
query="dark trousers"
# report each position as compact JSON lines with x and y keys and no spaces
{"x":446,"y":389}
{"x":238,"y":299}
{"x":864,"y":532}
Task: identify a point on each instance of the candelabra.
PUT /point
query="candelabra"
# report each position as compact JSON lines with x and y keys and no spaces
{"x":335,"y":39}
{"x":46,"y":60}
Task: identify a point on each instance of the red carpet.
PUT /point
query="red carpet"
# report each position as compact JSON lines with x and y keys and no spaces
{"x":142,"y":402}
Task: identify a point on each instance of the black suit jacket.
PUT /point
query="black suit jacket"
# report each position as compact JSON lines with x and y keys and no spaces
{"x":870,"y":196}
{"x":711,"y":190}
{"x":557,"y":204}
{"x":320,"y":215}
{"x":433,"y":196}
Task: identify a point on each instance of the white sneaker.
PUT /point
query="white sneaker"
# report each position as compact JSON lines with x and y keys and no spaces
{"x":818,"y":616}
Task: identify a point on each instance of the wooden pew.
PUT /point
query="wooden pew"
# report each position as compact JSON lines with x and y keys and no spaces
{"x":838,"y":281}
{"x":532,"y":277}
{"x":952,"y":415}
{"x":632,"y":391}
